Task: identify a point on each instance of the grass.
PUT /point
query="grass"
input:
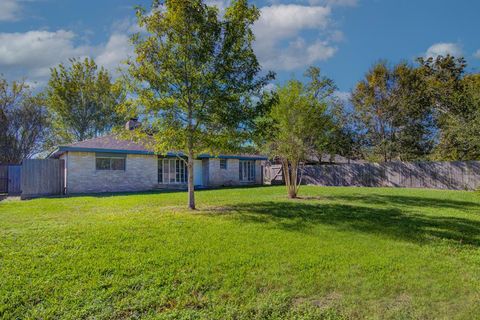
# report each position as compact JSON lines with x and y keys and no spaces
{"x":338,"y":253}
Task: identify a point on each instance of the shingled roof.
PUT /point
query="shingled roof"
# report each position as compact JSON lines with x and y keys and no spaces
{"x":113,"y":144}
{"x":110,"y":142}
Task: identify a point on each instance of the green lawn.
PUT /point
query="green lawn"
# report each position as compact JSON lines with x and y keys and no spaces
{"x":246,"y":253}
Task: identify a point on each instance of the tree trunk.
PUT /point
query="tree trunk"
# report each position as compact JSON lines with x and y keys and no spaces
{"x":191,"y":187}
{"x":293,"y":180}
{"x":292,"y":194}
{"x":190,"y":137}
{"x":289,"y":183}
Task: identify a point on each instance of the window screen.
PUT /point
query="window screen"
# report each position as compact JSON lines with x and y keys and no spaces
{"x":172,"y":171}
{"x":247,"y":171}
{"x":110,"y":161}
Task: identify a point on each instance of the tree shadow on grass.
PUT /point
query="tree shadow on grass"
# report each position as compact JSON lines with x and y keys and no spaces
{"x":151,"y":192}
{"x":409,"y":202}
{"x":299,"y":216}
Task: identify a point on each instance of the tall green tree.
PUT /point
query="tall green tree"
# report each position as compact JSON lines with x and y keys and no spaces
{"x":82,"y":99}
{"x":455,"y":98}
{"x":344,"y":138}
{"x":393,"y":113}
{"x":24,"y":122}
{"x":298,"y":125}
{"x":443,"y":75}
{"x":195,"y":77}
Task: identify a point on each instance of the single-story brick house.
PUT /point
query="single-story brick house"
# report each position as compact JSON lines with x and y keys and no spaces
{"x":110,"y":164}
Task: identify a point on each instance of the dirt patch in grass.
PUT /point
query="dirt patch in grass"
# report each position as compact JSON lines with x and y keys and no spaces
{"x":6,"y":198}
{"x":399,"y":307}
{"x":330,"y":300}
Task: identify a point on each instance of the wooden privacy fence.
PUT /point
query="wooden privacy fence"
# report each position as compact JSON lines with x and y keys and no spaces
{"x":3,"y":179}
{"x":14,"y":179}
{"x":434,"y":175}
{"x":43,"y":177}
{"x":10,"y":176}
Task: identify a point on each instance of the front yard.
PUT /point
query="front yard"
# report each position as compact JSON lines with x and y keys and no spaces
{"x":246,"y":253}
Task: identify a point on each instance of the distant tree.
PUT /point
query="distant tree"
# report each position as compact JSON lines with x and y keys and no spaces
{"x":82,"y":100}
{"x":393,"y":113}
{"x":299,"y":125}
{"x":195,"y":78}
{"x":455,"y":98}
{"x":444,"y":76}
{"x":24,"y":124}
{"x":467,"y":123}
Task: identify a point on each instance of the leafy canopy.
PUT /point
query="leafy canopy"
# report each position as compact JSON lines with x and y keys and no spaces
{"x":195,"y":76}
{"x":454,"y":96}
{"x":24,"y":122}
{"x":393,"y":114}
{"x":299,"y":124}
{"x":82,"y":100}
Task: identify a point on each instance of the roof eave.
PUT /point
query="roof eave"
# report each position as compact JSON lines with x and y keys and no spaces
{"x":62,"y":149}
{"x":80,"y":149}
{"x":207,"y":156}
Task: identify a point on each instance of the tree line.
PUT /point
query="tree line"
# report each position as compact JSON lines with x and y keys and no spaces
{"x":424,"y":111}
{"x":79,"y":103}
{"x":198,"y":87}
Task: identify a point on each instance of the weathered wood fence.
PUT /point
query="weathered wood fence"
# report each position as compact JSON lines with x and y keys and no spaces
{"x":43,"y":177}
{"x":10,"y":176}
{"x":14,"y":180}
{"x":3,"y":179}
{"x":434,"y":175}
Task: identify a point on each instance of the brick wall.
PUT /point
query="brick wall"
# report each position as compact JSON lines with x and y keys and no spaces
{"x":230,"y":176}
{"x":142,"y":174}
{"x":82,"y":177}
{"x":223,"y":177}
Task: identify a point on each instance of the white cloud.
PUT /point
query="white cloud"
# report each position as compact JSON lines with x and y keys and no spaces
{"x":442,"y":49}
{"x":343,"y":95}
{"x":477,"y":54}
{"x":117,"y":49}
{"x":9,"y":10}
{"x":220,"y":4}
{"x":270,"y":87}
{"x":336,"y":36}
{"x":33,"y":53}
{"x":299,"y":54}
{"x":280,"y":45}
{"x":36,"y":48}
{"x":286,"y":20}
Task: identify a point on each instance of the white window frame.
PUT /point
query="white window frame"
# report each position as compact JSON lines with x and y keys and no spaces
{"x":247,"y":170}
{"x":179,"y":174}
{"x":110,"y":157}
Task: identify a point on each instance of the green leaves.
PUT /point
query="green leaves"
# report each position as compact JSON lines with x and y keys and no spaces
{"x":24,"y":122}
{"x":82,"y":100}
{"x":299,"y":125}
{"x":393,"y":113}
{"x":197,"y":73}
{"x":300,"y":122}
{"x":453,"y":96}
{"x":195,"y":77}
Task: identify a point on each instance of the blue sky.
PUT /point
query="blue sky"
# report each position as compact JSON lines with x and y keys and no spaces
{"x":343,"y":37}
